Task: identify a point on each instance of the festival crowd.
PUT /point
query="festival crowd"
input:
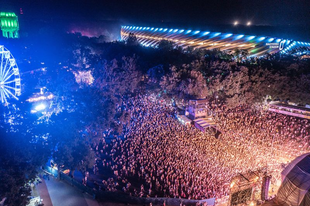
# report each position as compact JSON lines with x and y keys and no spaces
{"x":160,"y":157}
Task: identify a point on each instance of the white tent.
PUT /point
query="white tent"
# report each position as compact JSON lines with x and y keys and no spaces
{"x":294,"y":190}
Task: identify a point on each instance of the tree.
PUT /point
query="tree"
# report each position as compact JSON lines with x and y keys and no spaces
{"x":75,"y":154}
{"x":170,"y":81}
{"x":19,"y":159}
{"x":165,"y":45}
{"x":194,"y":85}
{"x":132,"y":40}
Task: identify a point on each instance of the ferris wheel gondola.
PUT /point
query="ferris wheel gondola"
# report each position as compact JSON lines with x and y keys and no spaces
{"x":10,"y":85}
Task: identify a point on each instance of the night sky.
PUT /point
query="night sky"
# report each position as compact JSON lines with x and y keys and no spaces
{"x":271,"y":12}
{"x":174,"y":13}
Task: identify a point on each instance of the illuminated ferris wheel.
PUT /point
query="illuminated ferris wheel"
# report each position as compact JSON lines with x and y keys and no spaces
{"x":10,"y":86}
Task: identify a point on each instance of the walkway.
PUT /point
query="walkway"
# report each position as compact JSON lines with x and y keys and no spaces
{"x":58,"y":193}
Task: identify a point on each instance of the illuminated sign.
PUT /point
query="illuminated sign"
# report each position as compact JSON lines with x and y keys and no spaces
{"x":273,"y":45}
{"x":279,"y":45}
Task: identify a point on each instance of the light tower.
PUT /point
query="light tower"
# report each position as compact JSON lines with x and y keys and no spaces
{"x":9,"y":24}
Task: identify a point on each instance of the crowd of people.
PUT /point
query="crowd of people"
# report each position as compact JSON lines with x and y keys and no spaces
{"x":160,"y":157}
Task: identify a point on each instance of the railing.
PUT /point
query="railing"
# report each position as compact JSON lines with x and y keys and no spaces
{"x":77,"y":184}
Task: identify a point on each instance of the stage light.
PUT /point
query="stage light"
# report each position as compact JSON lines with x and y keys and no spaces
{"x":236,"y":23}
{"x":40,"y":107}
{"x":239,"y":36}
{"x":206,"y":33}
{"x":249,"y":23}
{"x":228,"y":35}
{"x":216,"y":34}
{"x":250,"y":38}
{"x":261,"y":38}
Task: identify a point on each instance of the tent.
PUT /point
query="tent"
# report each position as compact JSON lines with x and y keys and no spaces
{"x":295,"y":187}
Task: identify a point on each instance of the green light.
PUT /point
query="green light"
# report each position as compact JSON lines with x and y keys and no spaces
{"x":254,"y":50}
{"x":9,"y":24}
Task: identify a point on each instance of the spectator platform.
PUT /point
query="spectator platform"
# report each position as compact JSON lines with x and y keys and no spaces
{"x":204,"y":123}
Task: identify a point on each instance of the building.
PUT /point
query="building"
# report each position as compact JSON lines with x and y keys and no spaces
{"x":251,"y":44}
{"x":9,"y":24}
{"x":198,"y":109}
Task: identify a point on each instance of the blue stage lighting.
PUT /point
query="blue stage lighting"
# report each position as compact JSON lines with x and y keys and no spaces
{"x":261,"y":38}
{"x":206,"y":33}
{"x":239,"y":36}
{"x":227,"y":35}
{"x":270,"y":39}
{"x":216,"y":34}
{"x":250,"y":38}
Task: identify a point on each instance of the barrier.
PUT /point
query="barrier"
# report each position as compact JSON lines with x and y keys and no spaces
{"x":77,"y":184}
